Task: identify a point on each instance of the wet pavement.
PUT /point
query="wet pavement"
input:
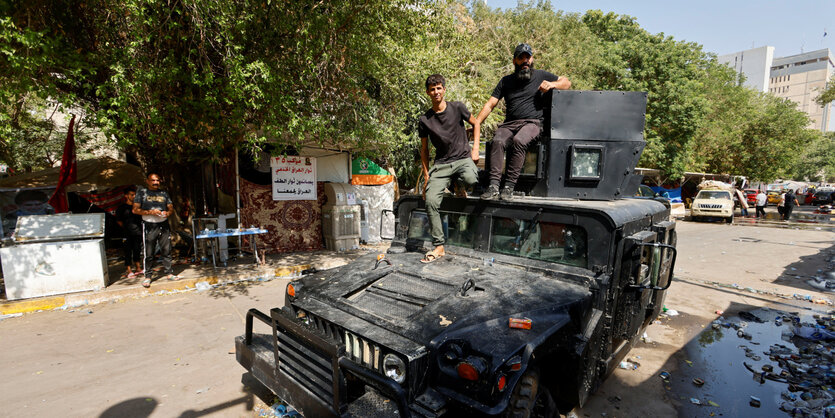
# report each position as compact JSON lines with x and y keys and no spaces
{"x":803,"y":217}
{"x":752,"y":364}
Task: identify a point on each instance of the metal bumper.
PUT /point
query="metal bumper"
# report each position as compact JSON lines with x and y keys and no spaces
{"x":306,"y":369}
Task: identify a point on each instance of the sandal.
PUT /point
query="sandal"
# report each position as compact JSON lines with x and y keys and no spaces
{"x":430,"y":257}
{"x":147,"y":282}
{"x":131,"y":275}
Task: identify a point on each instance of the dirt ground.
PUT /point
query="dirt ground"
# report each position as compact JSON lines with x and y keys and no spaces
{"x":172,"y":355}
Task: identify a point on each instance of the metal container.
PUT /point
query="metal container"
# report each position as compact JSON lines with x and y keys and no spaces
{"x":55,"y":254}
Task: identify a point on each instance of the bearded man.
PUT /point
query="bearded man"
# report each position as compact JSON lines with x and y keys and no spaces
{"x":523,"y":93}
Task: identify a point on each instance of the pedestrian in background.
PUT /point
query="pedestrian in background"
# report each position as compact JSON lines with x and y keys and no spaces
{"x":790,"y":201}
{"x":743,"y":202}
{"x":155,"y":206}
{"x":781,"y":207}
{"x":131,"y":224}
{"x":762,"y":200}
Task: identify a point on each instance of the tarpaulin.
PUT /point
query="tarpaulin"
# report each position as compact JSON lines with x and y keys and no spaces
{"x":96,"y":174}
{"x":673,"y":194}
{"x":108,"y":200}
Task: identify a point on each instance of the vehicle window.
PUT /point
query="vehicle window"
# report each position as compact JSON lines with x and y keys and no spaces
{"x":713,"y":194}
{"x":459,"y":228}
{"x":547,"y":241}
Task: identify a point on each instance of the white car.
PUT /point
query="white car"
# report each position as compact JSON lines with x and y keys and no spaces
{"x":713,"y":204}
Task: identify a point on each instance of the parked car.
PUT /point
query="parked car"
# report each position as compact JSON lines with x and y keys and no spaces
{"x":713,"y":204}
{"x":645,"y":191}
{"x":807,"y":198}
{"x":751,"y":196}
{"x":823,"y":198}
{"x":773,"y":197}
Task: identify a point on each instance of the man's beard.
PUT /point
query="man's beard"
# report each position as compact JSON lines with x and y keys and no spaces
{"x":523,"y":73}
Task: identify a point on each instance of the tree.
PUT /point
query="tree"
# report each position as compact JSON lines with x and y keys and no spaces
{"x":190,"y":80}
{"x":828,"y":94}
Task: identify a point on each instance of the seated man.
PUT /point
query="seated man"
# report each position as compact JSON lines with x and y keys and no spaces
{"x":523,"y":94}
{"x":443,"y":124}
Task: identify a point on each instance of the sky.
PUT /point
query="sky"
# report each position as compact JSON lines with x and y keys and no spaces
{"x":724,"y":27}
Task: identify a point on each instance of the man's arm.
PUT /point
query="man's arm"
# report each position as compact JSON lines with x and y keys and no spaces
{"x":424,"y":162}
{"x":485,"y":111}
{"x":562,"y":83}
{"x":139,"y":211}
{"x":476,"y":136}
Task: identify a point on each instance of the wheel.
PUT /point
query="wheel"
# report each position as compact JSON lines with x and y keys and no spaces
{"x":729,"y":219}
{"x":529,"y":399}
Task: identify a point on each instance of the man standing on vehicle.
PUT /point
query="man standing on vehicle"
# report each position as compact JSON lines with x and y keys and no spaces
{"x":762,"y":200}
{"x":155,"y":206}
{"x":443,"y":124}
{"x":523,"y":92}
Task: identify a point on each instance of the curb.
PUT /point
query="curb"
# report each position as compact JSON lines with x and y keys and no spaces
{"x":93,"y":297}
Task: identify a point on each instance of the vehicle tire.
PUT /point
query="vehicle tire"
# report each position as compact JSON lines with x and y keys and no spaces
{"x":729,"y":220}
{"x":530,"y":399}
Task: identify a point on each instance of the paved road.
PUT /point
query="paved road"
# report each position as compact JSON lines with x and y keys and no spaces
{"x":169,"y":355}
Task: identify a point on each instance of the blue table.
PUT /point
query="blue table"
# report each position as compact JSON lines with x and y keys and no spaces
{"x":213,"y":235}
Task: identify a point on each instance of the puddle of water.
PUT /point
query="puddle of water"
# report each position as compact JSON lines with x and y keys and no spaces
{"x":718,"y":357}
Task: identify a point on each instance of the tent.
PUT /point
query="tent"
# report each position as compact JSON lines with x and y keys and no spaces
{"x":96,"y":174}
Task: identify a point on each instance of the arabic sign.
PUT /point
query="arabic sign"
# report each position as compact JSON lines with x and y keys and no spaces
{"x":294,"y":178}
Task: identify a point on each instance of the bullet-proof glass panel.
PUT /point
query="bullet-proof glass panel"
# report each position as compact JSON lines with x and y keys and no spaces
{"x":459,"y":228}
{"x":547,"y":241}
{"x":585,"y":163}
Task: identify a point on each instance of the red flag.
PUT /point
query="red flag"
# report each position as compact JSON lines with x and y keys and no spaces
{"x":67,"y":175}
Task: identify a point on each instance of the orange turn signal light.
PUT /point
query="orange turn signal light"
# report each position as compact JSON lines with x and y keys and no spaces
{"x":467,"y":371}
{"x":291,"y":290}
{"x":520,"y":323}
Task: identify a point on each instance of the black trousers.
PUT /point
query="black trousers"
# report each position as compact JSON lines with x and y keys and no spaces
{"x":761,"y":211}
{"x":157,"y":233}
{"x":133,"y":249}
{"x":513,"y":138}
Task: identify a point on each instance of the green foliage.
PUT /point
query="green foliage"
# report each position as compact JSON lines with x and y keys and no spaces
{"x":817,"y":161}
{"x":828,"y":94}
{"x":189,"y":80}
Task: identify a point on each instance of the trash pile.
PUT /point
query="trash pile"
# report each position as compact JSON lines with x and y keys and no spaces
{"x":806,"y":367}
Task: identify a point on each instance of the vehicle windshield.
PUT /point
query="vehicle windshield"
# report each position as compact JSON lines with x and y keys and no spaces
{"x":713,"y":194}
{"x":547,"y":241}
{"x":458,"y":228}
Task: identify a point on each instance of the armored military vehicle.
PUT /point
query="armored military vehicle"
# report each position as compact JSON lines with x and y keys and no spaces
{"x":537,"y":300}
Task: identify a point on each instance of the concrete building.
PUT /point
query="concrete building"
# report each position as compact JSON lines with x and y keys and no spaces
{"x":801,"y":78}
{"x":755,"y":64}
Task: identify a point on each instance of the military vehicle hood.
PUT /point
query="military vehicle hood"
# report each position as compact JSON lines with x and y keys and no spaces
{"x":421,"y":301}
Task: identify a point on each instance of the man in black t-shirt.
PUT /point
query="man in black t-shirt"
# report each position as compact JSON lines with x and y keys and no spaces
{"x":155,"y":205}
{"x":443,"y":124}
{"x":523,"y":93}
{"x":131,"y":223}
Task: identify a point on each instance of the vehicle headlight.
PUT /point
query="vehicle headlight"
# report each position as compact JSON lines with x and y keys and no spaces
{"x":394,"y":368}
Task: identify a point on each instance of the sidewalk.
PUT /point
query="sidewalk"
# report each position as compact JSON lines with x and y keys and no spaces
{"x":239,"y":272}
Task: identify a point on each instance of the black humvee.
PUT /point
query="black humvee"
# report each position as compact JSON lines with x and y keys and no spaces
{"x":537,"y":300}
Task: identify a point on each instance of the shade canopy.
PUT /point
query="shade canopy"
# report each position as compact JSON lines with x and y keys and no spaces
{"x":96,"y":174}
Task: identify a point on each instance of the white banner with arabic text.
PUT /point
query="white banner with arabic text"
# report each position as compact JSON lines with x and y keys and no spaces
{"x":294,"y":178}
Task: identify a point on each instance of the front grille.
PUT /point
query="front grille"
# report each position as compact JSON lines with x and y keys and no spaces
{"x":358,"y":349}
{"x":710,"y":206}
{"x":309,"y":367}
{"x":362,"y":351}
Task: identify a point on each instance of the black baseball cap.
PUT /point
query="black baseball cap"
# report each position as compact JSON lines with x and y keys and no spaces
{"x":522,"y":49}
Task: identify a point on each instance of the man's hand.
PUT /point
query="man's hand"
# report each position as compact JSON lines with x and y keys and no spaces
{"x":546,"y":85}
{"x":474,"y":155}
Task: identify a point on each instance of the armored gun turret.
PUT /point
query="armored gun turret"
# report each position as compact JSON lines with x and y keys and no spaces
{"x":534,"y":304}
